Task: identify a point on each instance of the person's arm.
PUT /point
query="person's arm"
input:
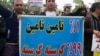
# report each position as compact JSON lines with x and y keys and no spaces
{"x":5,"y":12}
{"x":97,"y":33}
{"x":88,"y":30}
{"x":87,"y":27}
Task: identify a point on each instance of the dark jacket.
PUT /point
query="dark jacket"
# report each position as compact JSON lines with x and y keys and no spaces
{"x":12,"y":24}
{"x":80,"y":13}
{"x":2,"y":28}
{"x":70,"y":14}
{"x":42,"y":13}
{"x":89,"y":26}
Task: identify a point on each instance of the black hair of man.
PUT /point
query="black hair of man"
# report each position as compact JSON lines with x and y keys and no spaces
{"x":47,"y":0}
{"x":95,"y":5}
{"x":68,"y":7}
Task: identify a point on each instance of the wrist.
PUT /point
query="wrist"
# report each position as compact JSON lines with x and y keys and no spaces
{"x":95,"y":31}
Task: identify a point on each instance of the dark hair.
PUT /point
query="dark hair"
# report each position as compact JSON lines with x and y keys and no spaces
{"x":94,"y":6}
{"x":67,"y":8}
{"x":46,"y":0}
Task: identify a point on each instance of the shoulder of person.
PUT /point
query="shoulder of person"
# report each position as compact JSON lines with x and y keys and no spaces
{"x":42,"y":13}
{"x":88,"y":17}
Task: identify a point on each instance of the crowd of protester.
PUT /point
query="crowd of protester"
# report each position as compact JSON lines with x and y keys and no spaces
{"x":9,"y":24}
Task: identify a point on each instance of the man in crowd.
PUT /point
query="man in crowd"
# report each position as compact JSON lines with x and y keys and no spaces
{"x":12,"y":25}
{"x":50,"y":9}
{"x":92,"y":26}
{"x":67,"y":11}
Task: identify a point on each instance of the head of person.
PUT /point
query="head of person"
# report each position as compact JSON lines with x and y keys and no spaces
{"x":50,"y":4}
{"x":96,"y":7}
{"x":67,"y":10}
{"x":83,"y":12}
{"x":18,"y":6}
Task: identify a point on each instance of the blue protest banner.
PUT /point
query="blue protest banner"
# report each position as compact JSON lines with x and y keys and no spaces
{"x":51,"y":36}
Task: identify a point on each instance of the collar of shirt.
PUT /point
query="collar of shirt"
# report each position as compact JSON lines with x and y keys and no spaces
{"x":51,"y":13}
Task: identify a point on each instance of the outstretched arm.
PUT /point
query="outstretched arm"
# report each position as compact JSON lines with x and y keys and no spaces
{"x":5,"y":12}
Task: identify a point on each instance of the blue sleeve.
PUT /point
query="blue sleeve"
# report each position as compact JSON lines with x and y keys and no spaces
{"x":5,"y":13}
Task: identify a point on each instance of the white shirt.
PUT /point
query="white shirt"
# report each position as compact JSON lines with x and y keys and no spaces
{"x":51,"y":13}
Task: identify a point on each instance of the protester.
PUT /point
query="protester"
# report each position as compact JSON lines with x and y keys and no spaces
{"x":67,"y":11}
{"x":12,"y":25}
{"x":92,"y":26}
{"x":50,"y":9}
